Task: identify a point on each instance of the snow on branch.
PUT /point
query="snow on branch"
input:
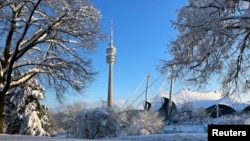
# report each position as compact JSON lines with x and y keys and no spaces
{"x":212,"y":34}
{"x":46,"y":39}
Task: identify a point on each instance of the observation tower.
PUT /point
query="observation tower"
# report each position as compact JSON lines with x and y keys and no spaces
{"x":110,"y":59}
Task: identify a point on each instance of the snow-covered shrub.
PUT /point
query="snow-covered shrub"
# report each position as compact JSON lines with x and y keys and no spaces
{"x":247,"y":121}
{"x":188,"y":113}
{"x":96,"y":123}
{"x":187,"y":107}
{"x":180,"y":116}
{"x":200,"y":114}
{"x":234,"y":119}
{"x":140,"y":122}
{"x":23,"y":112}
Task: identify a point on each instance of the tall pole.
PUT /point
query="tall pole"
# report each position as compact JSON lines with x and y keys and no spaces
{"x":171,"y":92}
{"x":110,"y":59}
{"x":146,"y":95}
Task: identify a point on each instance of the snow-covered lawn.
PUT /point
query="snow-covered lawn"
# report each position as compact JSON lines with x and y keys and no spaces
{"x":169,"y":137}
{"x":154,"y":137}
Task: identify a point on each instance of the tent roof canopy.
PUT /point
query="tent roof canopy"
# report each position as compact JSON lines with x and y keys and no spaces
{"x":199,"y":99}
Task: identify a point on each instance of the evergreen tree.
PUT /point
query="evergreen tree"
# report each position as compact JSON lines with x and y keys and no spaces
{"x":23,"y":112}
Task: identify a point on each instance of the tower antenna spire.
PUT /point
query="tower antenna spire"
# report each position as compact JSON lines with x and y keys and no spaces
{"x":111,"y":34}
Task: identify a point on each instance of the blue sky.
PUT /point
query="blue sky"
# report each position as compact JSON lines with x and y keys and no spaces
{"x":141,"y":33}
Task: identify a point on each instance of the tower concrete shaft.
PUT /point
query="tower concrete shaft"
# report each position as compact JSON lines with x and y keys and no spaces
{"x":110,"y":86}
{"x":110,"y":59}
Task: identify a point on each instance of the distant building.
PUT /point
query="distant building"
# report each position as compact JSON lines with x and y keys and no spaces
{"x":213,"y":102}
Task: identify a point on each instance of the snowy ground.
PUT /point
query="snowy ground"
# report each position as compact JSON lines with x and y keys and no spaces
{"x":155,"y":137}
{"x":170,"y":137}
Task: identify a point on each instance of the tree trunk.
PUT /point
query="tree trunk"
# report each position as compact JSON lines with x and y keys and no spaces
{"x":1,"y":113}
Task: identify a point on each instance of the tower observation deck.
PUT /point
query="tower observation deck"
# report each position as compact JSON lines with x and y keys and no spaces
{"x":110,"y":59}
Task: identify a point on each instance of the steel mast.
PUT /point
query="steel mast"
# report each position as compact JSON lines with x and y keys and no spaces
{"x":171,"y":92}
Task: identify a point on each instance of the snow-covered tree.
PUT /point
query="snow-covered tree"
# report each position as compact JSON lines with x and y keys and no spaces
{"x":140,"y":122}
{"x":23,"y":112}
{"x":107,"y":123}
{"x":96,"y":123}
{"x":212,"y":43}
{"x":63,"y":120}
{"x":54,"y":127}
{"x":49,"y":39}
